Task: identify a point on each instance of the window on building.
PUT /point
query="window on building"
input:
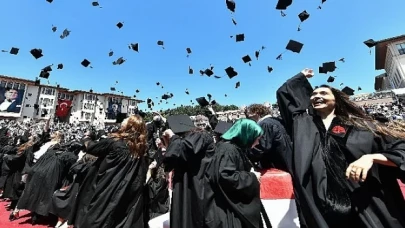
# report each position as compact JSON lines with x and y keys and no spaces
{"x":48,"y":91}
{"x":401,"y":48}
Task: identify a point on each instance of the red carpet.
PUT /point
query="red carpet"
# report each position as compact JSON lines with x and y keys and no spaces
{"x":23,"y":221}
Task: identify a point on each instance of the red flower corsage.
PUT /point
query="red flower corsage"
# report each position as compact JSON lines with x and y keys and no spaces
{"x":338,"y":130}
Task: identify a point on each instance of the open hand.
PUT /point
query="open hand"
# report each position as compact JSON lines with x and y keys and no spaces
{"x":309,"y":73}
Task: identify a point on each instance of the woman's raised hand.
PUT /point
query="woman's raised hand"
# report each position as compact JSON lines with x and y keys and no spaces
{"x":309,"y":73}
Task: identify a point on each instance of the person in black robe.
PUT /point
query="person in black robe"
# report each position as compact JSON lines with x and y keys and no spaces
{"x":112,"y":194}
{"x":46,"y":176}
{"x":64,"y":198}
{"x":275,"y":145}
{"x":188,"y":158}
{"x":235,"y":198}
{"x":155,"y":130}
{"x":346,"y":165}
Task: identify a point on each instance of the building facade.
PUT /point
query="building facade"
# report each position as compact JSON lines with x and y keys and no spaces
{"x":390,"y":56}
{"x":22,"y":99}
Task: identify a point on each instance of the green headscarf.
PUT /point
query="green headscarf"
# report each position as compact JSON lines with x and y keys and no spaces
{"x":244,"y":132}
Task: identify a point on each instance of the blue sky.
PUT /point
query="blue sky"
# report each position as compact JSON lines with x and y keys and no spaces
{"x":336,"y":31}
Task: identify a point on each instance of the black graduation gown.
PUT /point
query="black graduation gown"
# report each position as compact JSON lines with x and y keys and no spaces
{"x":112,"y":193}
{"x":158,"y":196}
{"x":44,"y":177}
{"x":5,"y":169}
{"x":63,"y":200}
{"x":378,"y":201}
{"x":188,"y":159}
{"x":14,"y":186}
{"x":236,"y":201}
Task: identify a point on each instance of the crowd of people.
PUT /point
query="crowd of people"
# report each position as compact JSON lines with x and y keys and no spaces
{"x":343,"y":160}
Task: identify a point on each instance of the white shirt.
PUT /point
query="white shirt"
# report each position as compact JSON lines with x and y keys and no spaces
{"x":42,"y":150}
{"x":4,"y":106}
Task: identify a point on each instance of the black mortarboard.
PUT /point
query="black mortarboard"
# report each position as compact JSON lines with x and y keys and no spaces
{"x":283,"y":4}
{"x":95,"y":4}
{"x":134,"y":47}
{"x":65,"y":34}
{"x":121,"y":117}
{"x":246,"y":59}
{"x":85,"y":63}
{"x":137,"y":91}
{"x":190,"y":70}
{"x":165,"y":96}
{"x":237,"y":85}
{"x":157,"y":83}
{"x":47,"y":68}
{"x":294,"y":46}
{"x":188,"y":50}
{"x":60,"y":66}
{"x":111,"y":53}
{"x":234,"y":22}
{"x":322,"y":70}
{"x":202,"y":101}
{"x":14,"y":51}
{"x":44,"y":74}
{"x":54,"y":28}
{"x":231,"y":72}
{"x":347,"y":90}
{"x":303,"y":16}
{"x":37,"y":53}
{"x":329,"y":66}
{"x":359,"y":88}
{"x":370,"y":43}
{"x":119,"y":25}
{"x":50,"y":1}
{"x":160,"y":43}
{"x":331,"y":79}
{"x":230,"y":4}
{"x":112,"y":88}
{"x":269,"y":69}
{"x":222,"y":127}
{"x":119,"y":61}
{"x":180,"y":123}
{"x":240,"y":37}
{"x":208,"y":72}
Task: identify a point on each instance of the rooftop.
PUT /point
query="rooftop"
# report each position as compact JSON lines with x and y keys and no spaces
{"x":381,"y":50}
{"x":32,"y":82}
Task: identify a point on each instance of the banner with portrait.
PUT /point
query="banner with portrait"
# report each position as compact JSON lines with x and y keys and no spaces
{"x":11,"y":98}
{"x":114,"y":108}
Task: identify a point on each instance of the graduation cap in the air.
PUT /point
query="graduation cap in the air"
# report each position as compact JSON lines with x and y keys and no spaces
{"x":331,"y":79}
{"x":237,"y":85}
{"x":283,"y":4}
{"x":370,"y":43}
{"x":134,"y":47}
{"x":120,"y":25}
{"x":208,"y":72}
{"x":180,"y":123}
{"x":167,"y":96}
{"x":304,"y":15}
{"x":111,"y":53}
{"x":190,"y":70}
{"x":293,"y":46}
{"x":85,"y":63}
{"x":347,"y":90}
{"x":119,"y":61}
{"x":95,"y":4}
{"x":14,"y":51}
{"x":50,"y":1}
{"x":202,"y":101}
{"x":65,"y":34}
{"x":60,"y":66}
{"x":112,"y":88}
{"x":54,"y":28}
{"x":222,"y":127}
{"x":188,"y":51}
{"x":240,"y":37}
{"x":45,"y":72}
{"x":230,"y":4}
{"x":329,"y":66}
{"x":234,"y":22}
{"x":247,"y":59}
{"x":37,"y":53}
{"x":161,"y":43}
{"x":269,"y":69}
{"x":137,"y":91}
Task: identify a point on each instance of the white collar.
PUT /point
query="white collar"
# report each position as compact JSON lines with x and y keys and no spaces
{"x":264,"y":117}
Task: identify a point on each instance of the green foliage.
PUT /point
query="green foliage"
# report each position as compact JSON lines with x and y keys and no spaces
{"x":191,"y":110}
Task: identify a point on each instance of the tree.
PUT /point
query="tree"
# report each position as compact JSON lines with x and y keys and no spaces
{"x":192,"y":110}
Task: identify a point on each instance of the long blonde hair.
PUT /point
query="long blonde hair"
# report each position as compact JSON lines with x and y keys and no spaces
{"x":135,"y":134}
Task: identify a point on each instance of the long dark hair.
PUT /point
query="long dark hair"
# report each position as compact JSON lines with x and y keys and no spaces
{"x":350,"y":114}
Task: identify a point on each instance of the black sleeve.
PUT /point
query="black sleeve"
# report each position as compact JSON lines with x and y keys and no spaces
{"x":100,"y":148}
{"x":174,"y":154}
{"x":293,"y":97}
{"x":394,"y":150}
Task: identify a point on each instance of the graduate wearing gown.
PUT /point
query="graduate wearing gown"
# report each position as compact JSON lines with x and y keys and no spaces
{"x":188,"y":158}
{"x":235,"y":202}
{"x":345,"y":165}
{"x":112,"y":194}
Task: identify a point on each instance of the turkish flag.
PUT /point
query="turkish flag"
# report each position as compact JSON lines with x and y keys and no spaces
{"x":63,"y":107}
